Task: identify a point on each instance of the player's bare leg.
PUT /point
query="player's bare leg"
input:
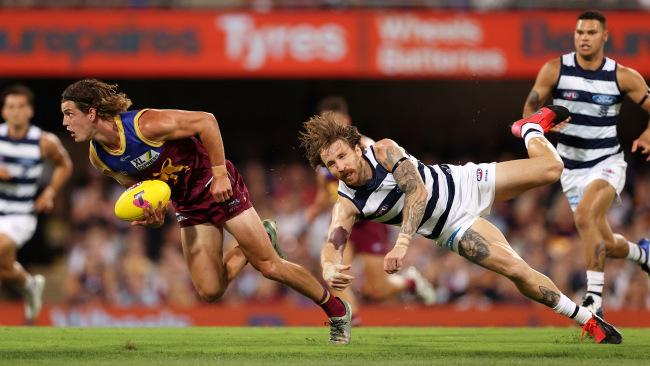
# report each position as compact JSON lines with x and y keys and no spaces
{"x":210,"y":269}
{"x":544,"y":166}
{"x":599,"y":242}
{"x":377,"y":285}
{"x":256,"y":245}
{"x":485,"y":245}
{"x":12,"y":272}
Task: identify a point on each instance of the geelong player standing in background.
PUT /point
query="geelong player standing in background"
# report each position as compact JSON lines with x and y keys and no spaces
{"x":592,"y":87}
{"x":23,"y":148}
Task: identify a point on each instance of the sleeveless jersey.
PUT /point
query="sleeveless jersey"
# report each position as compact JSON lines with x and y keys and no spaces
{"x":381,"y":200}
{"x":183,"y":164}
{"x":594,"y":100}
{"x":22,"y":158}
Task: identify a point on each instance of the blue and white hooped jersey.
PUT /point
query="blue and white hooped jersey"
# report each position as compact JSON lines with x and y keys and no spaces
{"x":594,"y":100}
{"x":381,"y":200}
{"x":22,"y":158}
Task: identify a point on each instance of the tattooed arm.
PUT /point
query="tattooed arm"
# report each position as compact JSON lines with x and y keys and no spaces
{"x":392,"y":157}
{"x":544,"y":84}
{"x":343,"y":216}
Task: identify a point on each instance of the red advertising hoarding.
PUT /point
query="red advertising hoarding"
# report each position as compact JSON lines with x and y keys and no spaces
{"x":301,"y":44}
{"x":291,"y":314}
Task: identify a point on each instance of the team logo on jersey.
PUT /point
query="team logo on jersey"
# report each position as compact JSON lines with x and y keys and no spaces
{"x":603,"y":99}
{"x":169,"y":172}
{"x":479,"y":174}
{"x":570,"y":95}
{"x":145,"y":160}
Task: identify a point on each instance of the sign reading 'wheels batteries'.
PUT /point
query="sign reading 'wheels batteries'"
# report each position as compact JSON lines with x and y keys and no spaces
{"x":322,"y":44}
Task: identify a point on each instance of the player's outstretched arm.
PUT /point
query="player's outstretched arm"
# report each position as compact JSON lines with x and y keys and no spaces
{"x":169,"y":124}
{"x":53,"y":151}
{"x":343,"y":216}
{"x":635,"y":87}
{"x":392,"y":157}
{"x":544,"y":84}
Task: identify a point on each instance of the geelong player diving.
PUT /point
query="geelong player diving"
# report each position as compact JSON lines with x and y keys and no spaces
{"x":208,"y":193}
{"x":369,"y":241}
{"x":441,"y":202}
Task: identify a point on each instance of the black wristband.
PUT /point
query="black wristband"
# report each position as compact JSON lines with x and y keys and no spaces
{"x":398,"y":163}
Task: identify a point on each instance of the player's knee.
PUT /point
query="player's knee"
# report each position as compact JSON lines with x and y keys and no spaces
{"x":269,"y":269}
{"x":211,"y":294}
{"x":584,"y":218}
{"x":553,"y":171}
{"x":518,"y":271}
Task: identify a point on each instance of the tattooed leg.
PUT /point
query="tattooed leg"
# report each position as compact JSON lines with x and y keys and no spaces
{"x":550,"y":297}
{"x":473,"y":246}
{"x":597,"y":262}
{"x":486,"y":246}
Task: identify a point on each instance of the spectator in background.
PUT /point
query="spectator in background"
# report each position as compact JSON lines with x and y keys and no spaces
{"x":91,"y":275}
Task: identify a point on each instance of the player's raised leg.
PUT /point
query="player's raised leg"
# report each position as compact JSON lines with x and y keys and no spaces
{"x":254,"y":242}
{"x":543,"y":166}
{"x":485,"y":245}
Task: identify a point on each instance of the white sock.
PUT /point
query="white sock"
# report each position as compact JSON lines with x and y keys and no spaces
{"x":595,"y":282}
{"x":29,"y":282}
{"x":530,"y":130}
{"x":569,"y":308}
{"x":636,"y":253}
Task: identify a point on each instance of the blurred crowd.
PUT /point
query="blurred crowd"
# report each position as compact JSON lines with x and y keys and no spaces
{"x":107,"y":261}
{"x":345,"y":4}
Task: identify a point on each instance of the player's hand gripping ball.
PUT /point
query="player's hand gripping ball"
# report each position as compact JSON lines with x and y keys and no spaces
{"x":130,"y":206}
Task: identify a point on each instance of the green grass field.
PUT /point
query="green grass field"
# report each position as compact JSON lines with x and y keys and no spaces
{"x":303,"y":346}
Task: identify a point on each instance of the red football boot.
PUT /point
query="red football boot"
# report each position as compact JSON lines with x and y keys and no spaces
{"x":547,"y":117}
{"x":601,"y":331}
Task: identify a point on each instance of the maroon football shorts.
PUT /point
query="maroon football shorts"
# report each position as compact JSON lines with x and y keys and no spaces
{"x":370,"y":238}
{"x":201,"y":207}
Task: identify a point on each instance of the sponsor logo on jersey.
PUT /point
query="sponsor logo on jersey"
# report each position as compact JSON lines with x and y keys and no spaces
{"x":570,"y":95}
{"x":479,"y":174}
{"x":382,"y":210}
{"x":145,"y":160}
{"x":603,"y":99}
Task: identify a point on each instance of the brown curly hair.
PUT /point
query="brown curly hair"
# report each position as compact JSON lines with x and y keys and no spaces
{"x":323,"y":130}
{"x":92,"y":93}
